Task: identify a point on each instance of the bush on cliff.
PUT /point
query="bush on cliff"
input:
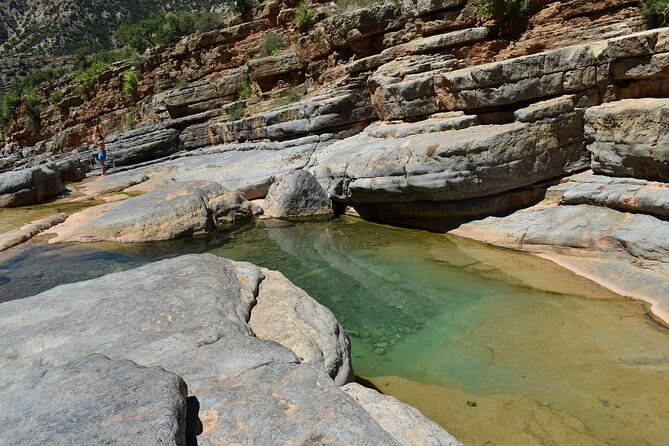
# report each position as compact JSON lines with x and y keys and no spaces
{"x":656,"y":11}
{"x":304,"y":14}
{"x":272,"y":44}
{"x":501,"y":9}
{"x":166,"y":28}
{"x":130,"y":81}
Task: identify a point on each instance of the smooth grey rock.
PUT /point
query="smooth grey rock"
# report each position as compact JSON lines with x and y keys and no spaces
{"x":286,"y":314}
{"x":582,"y":226}
{"x":551,"y":108}
{"x":29,"y":186}
{"x":247,"y":168}
{"x":622,"y":194}
{"x":454,"y":165}
{"x":630,"y":138}
{"x":190,"y":316}
{"x":93,"y":400}
{"x":329,"y":111}
{"x":144,"y":144}
{"x":180,"y":210}
{"x":405,"y":423}
{"x":296,"y":194}
{"x":71,"y":169}
{"x":26,"y":232}
{"x":439,"y":122}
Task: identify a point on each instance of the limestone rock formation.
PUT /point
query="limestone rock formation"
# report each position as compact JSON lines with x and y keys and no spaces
{"x":296,"y":194}
{"x":180,"y":210}
{"x":29,"y":186}
{"x":190,"y":315}
{"x":144,"y":144}
{"x":630,"y":138}
{"x":26,"y":232}
{"x":93,"y":400}
{"x":410,"y":427}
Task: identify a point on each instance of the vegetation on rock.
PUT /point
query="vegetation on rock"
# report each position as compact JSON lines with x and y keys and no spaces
{"x":245,"y":89}
{"x":502,"y":9}
{"x":304,"y":14}
{"x":272,"y":44}
{"x":656,"y":11}
{"x":236,"y":113}
{"x":130,"y":81}
{"x":166,"y":28}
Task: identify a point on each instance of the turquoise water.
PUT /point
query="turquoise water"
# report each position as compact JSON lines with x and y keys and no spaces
{"x":432,"y":310}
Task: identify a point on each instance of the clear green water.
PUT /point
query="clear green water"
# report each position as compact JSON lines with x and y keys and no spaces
{"x":550,"y":357}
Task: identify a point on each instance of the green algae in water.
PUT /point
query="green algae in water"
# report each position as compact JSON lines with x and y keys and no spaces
{"x":446,"y":318}
{"x":440,"y":310}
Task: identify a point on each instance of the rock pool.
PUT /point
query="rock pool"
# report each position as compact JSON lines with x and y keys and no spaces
{"x":499,"y":347}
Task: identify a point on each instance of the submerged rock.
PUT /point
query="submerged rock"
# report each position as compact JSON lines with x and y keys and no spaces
{"x":296,"y":194}
{"x":190,"y":315}
{"x":179,"y":210}
{"x":29,"y":186}
{"x":411,"y":427}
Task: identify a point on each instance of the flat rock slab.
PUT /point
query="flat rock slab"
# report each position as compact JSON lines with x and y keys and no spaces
{"x":296,"y":194}
{"x":190,"y":316}
{"x":29,"y":186}
{"x":247,"y":168}
{"x":630,"y":138}
{"x":623,"y":194}
{"x":474,"y":162}
{"x":179,"y":210}
{"x":627,"y":253}
{"x":93,"y":400}
{"x":26,"y":232}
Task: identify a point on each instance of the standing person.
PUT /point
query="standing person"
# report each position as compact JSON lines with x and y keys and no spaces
{"x":98,"y":137}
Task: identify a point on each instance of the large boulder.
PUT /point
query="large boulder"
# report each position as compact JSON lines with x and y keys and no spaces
{"x":180,"y":210}
{"x":144,"y":144}
{"x":630,"y":138}
{"x":190,"y":315}
{"x":453,"y":165}
{"x":29,"y":186}
{"x":296,"y":194}
{"x":71,"y":169}
{"x":93,"y":400}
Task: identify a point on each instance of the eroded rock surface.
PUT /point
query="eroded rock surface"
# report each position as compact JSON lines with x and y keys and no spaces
{"x":190,"y":316}
{"x":93,"y":400}
{"x":411,"y":427}
{"x":179,"y":210}
{"x":630,"y":138}
{"x":296,"y":194}
{"x":29,"y":186}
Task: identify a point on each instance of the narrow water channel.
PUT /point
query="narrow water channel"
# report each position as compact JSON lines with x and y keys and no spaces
{"x":497,"y":346}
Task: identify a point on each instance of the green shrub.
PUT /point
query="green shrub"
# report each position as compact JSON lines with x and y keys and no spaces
{"x":56,"y":97}
{"x":180,"y":82}
{"x":33,"y":112}
{"x":130,"y":81}
{"x":87,"y":78}
{"x":166,"y":28}
{"x":245,"y":88}
{"x":304,"y":14}
{"x":656,"y":11}
{"x":501,"y":9}
{"x":272,"y":44}
{"x":236,"y":113}
{"x":8,"y":105}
